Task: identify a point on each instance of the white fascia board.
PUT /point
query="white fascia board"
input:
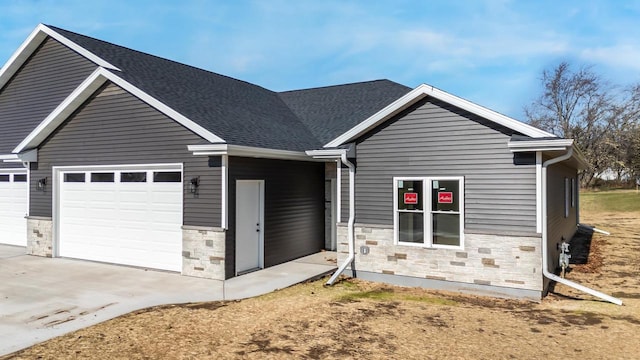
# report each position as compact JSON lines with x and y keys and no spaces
{"x":62,"y":111}
{"x":579,"y":156}
{"x":427,"y":90}
{"x":246,"y":151}
{"x":9,"y":157}
{"x":487,"y":113}
{"x":21,"y":55}
{"x":79,"y":49}
{"x":31,"y":44}
{"x":89,"y":86}
{"x":550,"y":145}
{"x":326,"y":153}
{"x":540,"y":145}
{"x":379,"y":117}
{"x":200,"y":149}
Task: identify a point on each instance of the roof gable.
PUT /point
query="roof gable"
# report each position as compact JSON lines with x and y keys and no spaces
{"x":421,"y":92}
{"x":32,"y":92}
{"x":84,"y":91}
{"x":31,"y":44}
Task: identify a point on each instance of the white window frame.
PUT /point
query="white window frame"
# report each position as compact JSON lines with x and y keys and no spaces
{"x":567,"y":196}
{"x":573,"y":192}
{"x":427,"y":210}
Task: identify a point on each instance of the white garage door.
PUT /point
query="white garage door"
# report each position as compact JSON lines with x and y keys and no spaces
{"x":13,"y":207}
{"x":130,"y":217}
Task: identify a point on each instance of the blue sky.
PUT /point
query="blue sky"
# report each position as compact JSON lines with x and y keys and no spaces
{"x":489,"y":52}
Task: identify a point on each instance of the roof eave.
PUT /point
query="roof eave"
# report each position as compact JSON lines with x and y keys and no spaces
{"x":247,"y":151}
{"x":550,"y":145}
{"x":27,"y":156}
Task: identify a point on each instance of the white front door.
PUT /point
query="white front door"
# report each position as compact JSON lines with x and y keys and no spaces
{"x":249,"y":225}
{"x":13,"y":207}
{"x":122,"y":216}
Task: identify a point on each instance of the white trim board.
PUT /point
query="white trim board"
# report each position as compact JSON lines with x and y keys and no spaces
{"x":247,"y":151}
{"x":224,"y":199}
{"x":539,"y":215}
{"x":98,"y":78}
{"x":31,"y":44}
{"x":423,"y":91}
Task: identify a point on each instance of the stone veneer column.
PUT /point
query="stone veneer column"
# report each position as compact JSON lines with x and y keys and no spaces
{"x":203,"y":252}
{"x":39,"y":236}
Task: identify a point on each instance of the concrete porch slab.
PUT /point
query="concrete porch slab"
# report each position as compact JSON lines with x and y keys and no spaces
{"x":280,"y":276}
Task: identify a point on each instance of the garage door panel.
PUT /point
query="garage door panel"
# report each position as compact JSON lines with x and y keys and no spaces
{"x":130,"y":223}
{"x":13,"y":208}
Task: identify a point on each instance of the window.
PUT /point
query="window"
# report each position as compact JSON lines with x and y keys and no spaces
{"x":133,"y":177}
{"x":167,"y":176}
{"x":20,"y":178}
{"x":574,"y":193}
{"x":74,"y":177}
{"x":4,"y":178}
{"x":567,"y":197}
{"x":102,"y":177}
{"x":429,"y":211}
{"x":410,"y":211}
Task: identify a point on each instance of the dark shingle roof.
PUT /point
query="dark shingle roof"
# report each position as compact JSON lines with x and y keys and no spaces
{"x":330,"y":111}
{"x":243,"y":113}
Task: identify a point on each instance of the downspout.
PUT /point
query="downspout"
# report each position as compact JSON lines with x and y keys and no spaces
{"x":545,"y":267}
{"x":350,"y":223}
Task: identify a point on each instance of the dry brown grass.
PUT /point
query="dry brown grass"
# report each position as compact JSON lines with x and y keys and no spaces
{"x":357,"y":319}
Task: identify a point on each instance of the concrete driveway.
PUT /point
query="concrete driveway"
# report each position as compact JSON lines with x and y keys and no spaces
{"x":41,"y":298}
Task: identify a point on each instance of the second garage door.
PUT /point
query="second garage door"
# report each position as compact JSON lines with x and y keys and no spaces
{"x":127,"y":216}
{"x":13,"y":207}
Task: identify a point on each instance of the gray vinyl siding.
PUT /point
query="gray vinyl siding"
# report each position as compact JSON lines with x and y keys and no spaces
{"x":116,"y":128}
{"x":435,"y":139}
{"x":43,"y":82}
{"x":558,"y":227}
{"x":293,"y":208}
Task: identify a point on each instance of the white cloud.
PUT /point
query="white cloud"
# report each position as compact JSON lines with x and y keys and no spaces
{"x":624,"y":56}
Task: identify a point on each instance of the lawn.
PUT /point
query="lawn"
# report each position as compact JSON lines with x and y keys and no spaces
{"x":357,"y":319}
{"x":610,"y":201}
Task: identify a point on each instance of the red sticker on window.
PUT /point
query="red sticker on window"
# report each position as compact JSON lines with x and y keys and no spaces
{"x":445,"y":197}
{"x":411,"y":198}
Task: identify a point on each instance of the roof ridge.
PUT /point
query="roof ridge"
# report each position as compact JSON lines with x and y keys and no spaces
{"x":337,"y":85}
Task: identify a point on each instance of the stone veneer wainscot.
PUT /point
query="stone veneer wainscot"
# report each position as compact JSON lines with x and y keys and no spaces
{"x":512,"y":261}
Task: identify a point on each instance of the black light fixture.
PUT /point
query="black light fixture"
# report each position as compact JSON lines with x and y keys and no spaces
{"x":193,"y":186}
{"x":41,"y":184}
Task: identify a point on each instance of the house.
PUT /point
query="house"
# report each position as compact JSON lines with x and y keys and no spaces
{"x":123,"y":157}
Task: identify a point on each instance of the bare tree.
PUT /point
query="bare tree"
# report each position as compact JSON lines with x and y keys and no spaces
{"x":578,"y":104}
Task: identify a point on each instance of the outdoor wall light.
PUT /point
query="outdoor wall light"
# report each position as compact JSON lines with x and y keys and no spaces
{"x":41,"y":184}
{"x":193,"y":186}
